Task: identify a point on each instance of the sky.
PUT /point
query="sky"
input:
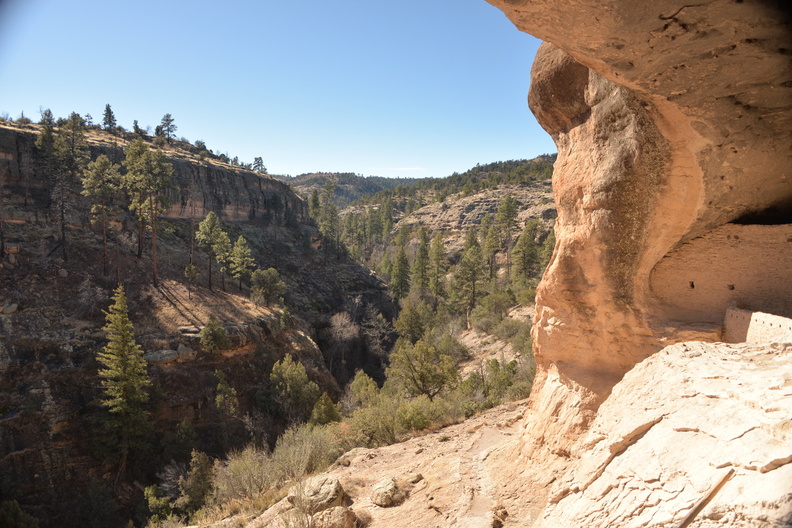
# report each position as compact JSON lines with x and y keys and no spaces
{"x":408,"y":88}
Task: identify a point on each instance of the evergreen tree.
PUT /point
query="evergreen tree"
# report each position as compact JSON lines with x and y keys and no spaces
{"x":71,"y":154}
{"x":258,"y":165}
{"x":437,"y":268}
{"x":328,"y":218}
{"x":242,"y":264}
{"x":109,"y":120}
{"x":266,"y":286}
{"x":101,"y":182}
{"x":295,"y":392}
{"x":325,"y":411}
{"x":222,"y":251}
{"x":314,"y":206}
{"x":209,"y":237}
{"x":469,"y":275}
{"x":506,"y":219}
{"x":148,"y":176}
{"x":492,"y":242}
{"x":124,"y":378}
{"x":526,"y":253}
{"x":420,"y":265}
{"x":421,"y":369}
{"x":136,"y":128}
{"x":213,"y":336}
{"x":400,"y":275}
{"x":386,"y":217}
{"x":167,"y":127}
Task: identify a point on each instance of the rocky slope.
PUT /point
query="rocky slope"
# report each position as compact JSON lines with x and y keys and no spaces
{"x":707,"y":447}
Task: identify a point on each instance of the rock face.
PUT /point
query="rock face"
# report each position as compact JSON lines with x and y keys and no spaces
{"x":673,"y":184}
{"x":231,"y":192}
{"x":656,"y":452}
{"x":671,"y":120}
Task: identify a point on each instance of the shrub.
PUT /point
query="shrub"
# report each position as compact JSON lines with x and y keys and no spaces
{"x":213,"y":336}
{"x":12,"y":515}
{"x":303,"y":450}
{"x":376,"y":423}
{"x":325,"y":411}
{"x":245,"y":474}
{"x":296,"y":394}
{"x":266,"y":286}
{"x":508,"y":328}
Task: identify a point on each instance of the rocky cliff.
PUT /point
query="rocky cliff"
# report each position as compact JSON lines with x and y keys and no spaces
{"x":673,"y":183}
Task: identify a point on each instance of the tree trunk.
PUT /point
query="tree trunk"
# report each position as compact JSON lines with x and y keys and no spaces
{"x":153,"y":238}
{"x":104,"y":243}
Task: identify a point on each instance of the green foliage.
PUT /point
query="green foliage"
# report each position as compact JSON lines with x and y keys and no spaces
{"x":400,"y":275}
{"x":109,"y":119}
{"x":101,"y":182}
{"x":364,"y":390}
{"x":225,"y":395}
{"x":420,"y":265}
{"x":242,"y":264}
{"x":266,"y":286}
{"x":123,"y":377}
{"x":210,"y":235}
{"x":421,"y":369}
{"x":213,"y":336}
{"x":469,"y":276}
{"x":304,"y":449}
{"x":410,"y":324}
{"x":245,"y":474}
{"x":296,"y":394}
{"x":13,"y":516}
{"x":167,"y":127}
{"x":328,"y":218}
{"x":438,"y":265}
{"x":324,"y":411}
{"x":491,"y":310}
{"x":195,"y":487}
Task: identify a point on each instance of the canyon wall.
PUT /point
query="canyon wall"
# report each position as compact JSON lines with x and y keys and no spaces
{"x":672,"y":121}
{"x":199,"y":187}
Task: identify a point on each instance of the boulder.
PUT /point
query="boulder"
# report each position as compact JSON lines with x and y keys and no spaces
{"x":9,"y":309}
{"x":186,"y":353}
{"x":335,"y":517}
{"x":160,"y":356}
{"x":317,"y":494}
{"x":386,"y":493}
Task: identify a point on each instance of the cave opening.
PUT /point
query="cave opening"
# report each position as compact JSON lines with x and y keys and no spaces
{"x":774,"y":215}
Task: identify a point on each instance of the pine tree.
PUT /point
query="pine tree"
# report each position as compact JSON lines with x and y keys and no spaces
{"x":222,"y":250}
{"x":124,"y":377}
{"x":420,"y":265}
{"x":437,"y":268}
{"x":506,"y":220}
{"x":526,"y":252}
{"x":314,"y":206}
{"x":400,"y":275}
{"x":328,"y":218}
{"x":266,"y":286}
{"x":101,"y":182}
{"x":167,"y":127}
{"x":109,"y":120}
{"x":208,"y":236}
{"x":469,"y":275}
{"x":71,"y":153}
{"x":242,"y":264}
{"x":148,"y":176}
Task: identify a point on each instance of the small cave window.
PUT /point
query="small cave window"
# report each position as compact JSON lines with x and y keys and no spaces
{"x":730,"y":286}
{"x":692,"y":285}
{"x":774,"y":215}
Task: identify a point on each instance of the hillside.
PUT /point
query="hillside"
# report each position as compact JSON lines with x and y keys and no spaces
{"x":52,"y":321}
{"x":349,"y":187}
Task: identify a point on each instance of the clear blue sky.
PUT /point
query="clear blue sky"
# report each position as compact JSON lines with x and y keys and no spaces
{"x":412,"y":88}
